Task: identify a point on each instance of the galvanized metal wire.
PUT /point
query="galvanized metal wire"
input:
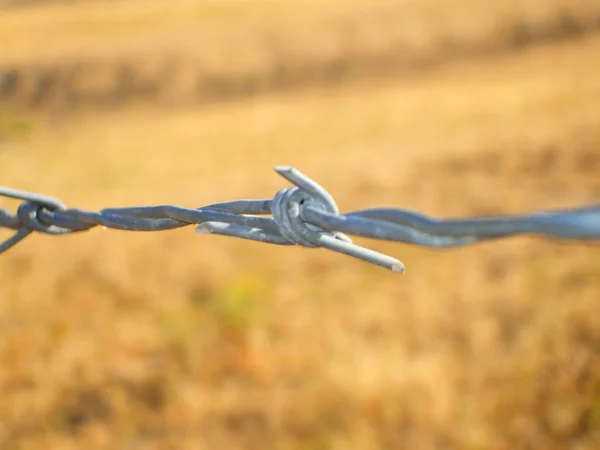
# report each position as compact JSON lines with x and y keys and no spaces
{"x":304,"y":214}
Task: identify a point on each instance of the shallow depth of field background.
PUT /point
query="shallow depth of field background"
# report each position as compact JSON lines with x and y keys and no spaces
{"x":178,"y":340}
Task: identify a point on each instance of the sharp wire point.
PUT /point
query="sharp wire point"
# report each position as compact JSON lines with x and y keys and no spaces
{"x":399,"y":268}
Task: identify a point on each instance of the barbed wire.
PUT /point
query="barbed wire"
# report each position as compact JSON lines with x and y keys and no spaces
{"x":305,"y":214}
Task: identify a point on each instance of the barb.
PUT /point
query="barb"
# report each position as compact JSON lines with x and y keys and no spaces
{"x":304,"y":214}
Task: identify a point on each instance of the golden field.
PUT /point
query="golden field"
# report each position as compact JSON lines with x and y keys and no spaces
{"x":178,"y":340}
{"x":187,"y":51}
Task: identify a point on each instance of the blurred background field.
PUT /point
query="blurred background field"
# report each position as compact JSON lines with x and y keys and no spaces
{"x":177,"y":340}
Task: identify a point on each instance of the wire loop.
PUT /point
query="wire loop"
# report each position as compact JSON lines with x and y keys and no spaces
{"x":28,"y":215}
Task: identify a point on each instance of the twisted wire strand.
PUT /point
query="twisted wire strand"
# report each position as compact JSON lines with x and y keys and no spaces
{"x":304,"y":214}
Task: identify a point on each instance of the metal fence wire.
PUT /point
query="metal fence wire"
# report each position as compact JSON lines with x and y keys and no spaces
{"x":306,"y":215}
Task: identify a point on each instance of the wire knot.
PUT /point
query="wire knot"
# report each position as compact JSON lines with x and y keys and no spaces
{"x":290,"y":209}
{"x":28,"y":214}
{"x":27,"y":219}
{"x":287,"y":212}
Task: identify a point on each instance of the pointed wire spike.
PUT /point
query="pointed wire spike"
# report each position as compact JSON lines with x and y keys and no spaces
{"x":308,"y":185}
{"x":283,"y":168}
{"x":294,"y":176}
{"x":17,"y":237}
{"x":399,"y":268}
{"x":357,"y":251}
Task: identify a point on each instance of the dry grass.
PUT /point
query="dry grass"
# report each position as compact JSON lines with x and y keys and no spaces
{"x":190,"y":51}
{"x":205,"y":26}
{"x":177,"y":340}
